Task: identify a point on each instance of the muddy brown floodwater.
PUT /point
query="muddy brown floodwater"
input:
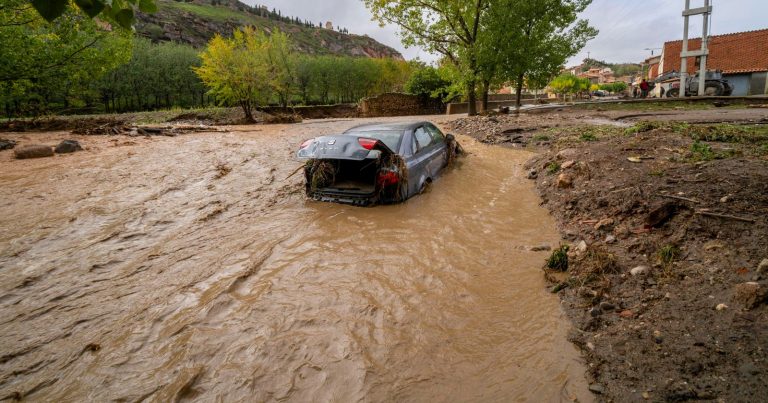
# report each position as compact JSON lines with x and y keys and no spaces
{"x":190,"y":268}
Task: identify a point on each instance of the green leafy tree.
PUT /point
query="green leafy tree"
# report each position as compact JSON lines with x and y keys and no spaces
{"x":545,"y":35}
{"x":121,"y":12}
{"x":448,"y":27}
{"x":42,"y":62}
{"x":427,"y":82}
{"x":237,"y":70}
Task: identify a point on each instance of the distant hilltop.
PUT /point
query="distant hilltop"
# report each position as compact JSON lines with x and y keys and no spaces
{"x":195,"y":22}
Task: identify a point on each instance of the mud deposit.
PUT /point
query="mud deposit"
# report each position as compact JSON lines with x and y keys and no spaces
{"x":190,"y":268}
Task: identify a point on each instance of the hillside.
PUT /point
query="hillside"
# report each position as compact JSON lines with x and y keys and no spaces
{"x":195,"y":23}
{"x":619,"y":69}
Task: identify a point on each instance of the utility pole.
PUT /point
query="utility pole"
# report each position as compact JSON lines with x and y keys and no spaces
{"x":701,"y":53}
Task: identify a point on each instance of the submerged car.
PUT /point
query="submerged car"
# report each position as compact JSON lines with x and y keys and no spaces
{"x":376,"y":163}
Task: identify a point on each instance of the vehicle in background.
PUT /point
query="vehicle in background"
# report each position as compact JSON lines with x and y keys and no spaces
{"x":714,"y":85}
{"x":376,"y":163}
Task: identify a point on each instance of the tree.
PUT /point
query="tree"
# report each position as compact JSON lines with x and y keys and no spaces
{"x":39,"y":59}
{"x":282,"y":66}
{"x":119,"y":11}
{"x":237,"y":70}
{"x":426,"y":82}
{"x":448,"y":27}
{"x":548,"y":32}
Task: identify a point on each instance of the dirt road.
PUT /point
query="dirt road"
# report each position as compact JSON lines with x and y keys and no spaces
{"x":191,"y":268}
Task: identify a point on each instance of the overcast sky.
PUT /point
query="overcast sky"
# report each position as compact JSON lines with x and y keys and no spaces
{"x":627,"y":27}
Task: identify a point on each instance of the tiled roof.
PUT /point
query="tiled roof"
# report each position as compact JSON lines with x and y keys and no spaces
{"x":741,"y":52}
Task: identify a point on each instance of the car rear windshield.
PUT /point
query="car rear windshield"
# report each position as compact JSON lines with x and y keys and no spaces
{"x":389,"y":137}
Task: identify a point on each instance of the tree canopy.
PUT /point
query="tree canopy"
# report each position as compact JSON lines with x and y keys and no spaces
{"x":120,"y":11}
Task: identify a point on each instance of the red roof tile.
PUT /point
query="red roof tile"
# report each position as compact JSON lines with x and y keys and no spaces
{"x":741,"y":52}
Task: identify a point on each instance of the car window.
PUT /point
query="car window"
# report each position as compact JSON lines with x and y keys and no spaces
{"x":437,"y":135}
{"x":423,"y":139}
{"x":389,"y":137}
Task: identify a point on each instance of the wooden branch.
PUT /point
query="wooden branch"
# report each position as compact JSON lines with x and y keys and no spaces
{"x":680,"y":198}
{"x":726,"y":216}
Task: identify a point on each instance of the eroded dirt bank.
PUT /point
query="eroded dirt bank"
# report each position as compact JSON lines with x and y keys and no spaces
{"x":190,"y":268}
{"x":667,"y":224}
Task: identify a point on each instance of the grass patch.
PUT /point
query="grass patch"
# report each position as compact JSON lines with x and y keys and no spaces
{"x":701,"y":152}
{"x":552,"y":167}
{"x":558,"y":260}
{"x":658,"y":172}
{"x":541,"y":137}
{"x":588,"y":137}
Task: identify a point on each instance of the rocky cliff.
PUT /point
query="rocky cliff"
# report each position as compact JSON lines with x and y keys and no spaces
{"x":195,"y":22}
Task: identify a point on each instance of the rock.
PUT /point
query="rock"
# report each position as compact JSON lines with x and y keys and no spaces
{"x":661,"y":214}
{"x":610,"y":239}
{"x":532,"y":174}
{"x":6,"y":144}
{"x":564,"y":181}
{"x":725,"y":199}
{"x":540,"y":248}
{"x":748,"y":368}
{"x":639,"y":270}
{"x":657,"y":337}
{"x":627,"y":314}
{"x":713,"y":245}
{"x":605,"y":222}
{"x":751,"y":294}
{"x":581,"y":247}
{"x":567,"y":164}
{"x":595,"y":312}
{"x":596,"y":388}
{"x":68,"y":146}
{"x":567,"y":154}
{"x":607,"y":306}
{"x":590,"y":346}
{"x":634,"y":159}
{"x":762,"y":268}
{"x":721,"y":307}
{"x":33,"y":151}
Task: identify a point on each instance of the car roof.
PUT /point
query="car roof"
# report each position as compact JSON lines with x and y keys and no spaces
{"x":386,"y":126}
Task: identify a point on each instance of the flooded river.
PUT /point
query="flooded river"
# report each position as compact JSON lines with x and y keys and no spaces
{"x":190,"y":268}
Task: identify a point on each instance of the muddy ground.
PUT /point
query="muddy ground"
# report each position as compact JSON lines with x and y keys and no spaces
{"x":193,"y":267}
{"x":667,"y":224}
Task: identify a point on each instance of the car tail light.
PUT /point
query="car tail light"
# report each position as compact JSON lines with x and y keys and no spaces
{"x":367,"y":143}
{"x":306,"y":143}
{"x":388,"y":178}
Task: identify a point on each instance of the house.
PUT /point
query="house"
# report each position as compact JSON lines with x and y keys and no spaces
{"x":597,"y":75}
{"x":651,"y":67}
{"x":329,"y":25}
{"x":742,"y":57}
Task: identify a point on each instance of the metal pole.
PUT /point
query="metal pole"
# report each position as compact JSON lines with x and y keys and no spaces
{"x":703,"y":67}
{"x":683,"y":58}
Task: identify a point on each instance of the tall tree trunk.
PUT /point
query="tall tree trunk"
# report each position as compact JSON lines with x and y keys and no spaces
{"x":519,"y":92}
{"x":486,"y":89}
{"x":247,"y":111}
{"x":471,"y":98}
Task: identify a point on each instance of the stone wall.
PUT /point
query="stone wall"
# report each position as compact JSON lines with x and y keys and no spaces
{"x":397,"y":104}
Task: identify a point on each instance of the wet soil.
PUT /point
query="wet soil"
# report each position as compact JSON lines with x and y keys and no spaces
{"x":695,"y":217}
{"x":194,"y":268}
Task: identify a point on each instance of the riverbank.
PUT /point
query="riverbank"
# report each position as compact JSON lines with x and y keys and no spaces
{"x":667,"y":231}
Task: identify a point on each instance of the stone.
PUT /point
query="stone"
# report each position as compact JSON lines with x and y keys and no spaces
{"x":581,"y":247}
{"x":567,"y":164}
{"x":596,"y":388}
{"x":713,"y":245}
{"x":749,"y":368}
{"x":595,"y":312}
{"x":33,"y":151}
{"x":762,"y":268}
{"x":657,"y":337}
{"x":68,"y":146}
{"x":533,"y":174}
{"x":750,"y":295}
{"x":725,"y":199}
{"x":607,"y":306}
{"x":627,"y":314}
{"x":6,"y":144}
{"x":721,"y":307}
{"x":605,"y":222}
{"x":639,"y":270}
{"x":540,"y":248}
{"x":610,"y":239}
{"x":567,"y":154}
{"x":564,"y":181}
